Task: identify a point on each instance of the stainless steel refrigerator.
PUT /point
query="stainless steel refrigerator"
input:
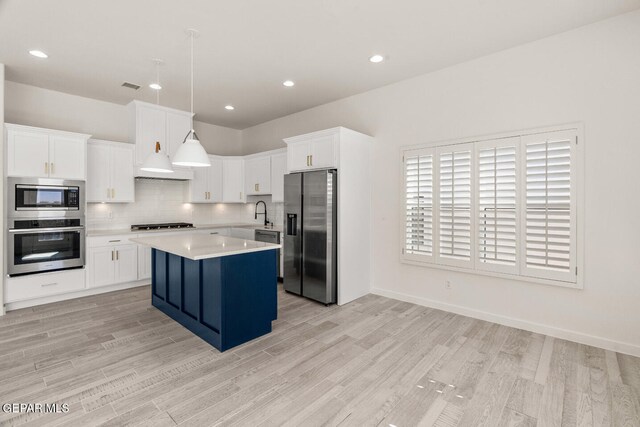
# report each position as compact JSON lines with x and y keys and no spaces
{"x":310,"y":235}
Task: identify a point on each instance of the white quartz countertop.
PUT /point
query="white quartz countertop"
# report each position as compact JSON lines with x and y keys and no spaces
{"x":203,"y":246}
{"x":116,"y":231}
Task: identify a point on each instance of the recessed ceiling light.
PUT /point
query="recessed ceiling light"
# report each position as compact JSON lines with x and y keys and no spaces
{"x":376,"y":58}
{"x":155,"y":86}
{"x":229,"y":107}
{"x":288,"y":83}
{"x":38,"y":54}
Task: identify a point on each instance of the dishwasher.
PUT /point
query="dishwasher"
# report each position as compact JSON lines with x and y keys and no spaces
{"x":270,"y":236}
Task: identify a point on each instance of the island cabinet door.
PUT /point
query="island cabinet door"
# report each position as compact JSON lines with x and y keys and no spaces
{"x":159,"y":274}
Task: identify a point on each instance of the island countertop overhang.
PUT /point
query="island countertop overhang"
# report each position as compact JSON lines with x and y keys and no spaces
{"x":204,"y":246}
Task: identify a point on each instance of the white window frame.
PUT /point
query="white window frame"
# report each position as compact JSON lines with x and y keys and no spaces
{"x":412,"y":153}
{"x":573,"y":280}
{"x":498,"y":143}
{"x":532,"y":271}
{"x":456,"y":148}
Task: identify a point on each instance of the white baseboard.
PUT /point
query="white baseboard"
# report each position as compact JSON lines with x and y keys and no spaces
{"x":72,"y":295}
{"x":579,"y":337}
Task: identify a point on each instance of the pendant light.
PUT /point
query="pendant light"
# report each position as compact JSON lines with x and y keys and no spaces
{"x":157,"y":161}
{"x":191,"y":153}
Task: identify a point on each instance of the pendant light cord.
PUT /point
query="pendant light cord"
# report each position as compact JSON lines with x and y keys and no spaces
{"x":158,"y":81}
{"x":192,"y":76}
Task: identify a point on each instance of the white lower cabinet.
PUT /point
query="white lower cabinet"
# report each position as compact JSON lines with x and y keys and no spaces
{"x":144,"y":262}
{"x":225,"y":231}
{"x":111,"y":260}
{"x":43,"y":285}
{"x":243,"y":233}
{"x":101,"y":270}
{"x":126,"y":263}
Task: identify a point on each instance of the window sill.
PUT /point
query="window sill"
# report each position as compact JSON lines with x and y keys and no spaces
{"x":536,"y":280}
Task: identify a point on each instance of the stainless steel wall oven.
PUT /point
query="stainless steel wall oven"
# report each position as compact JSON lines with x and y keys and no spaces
{"x":45,"y":225}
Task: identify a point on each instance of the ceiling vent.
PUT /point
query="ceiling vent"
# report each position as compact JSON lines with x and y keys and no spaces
{"x":130,"y":85}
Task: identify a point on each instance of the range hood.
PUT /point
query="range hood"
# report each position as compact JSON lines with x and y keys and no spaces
{"x":179,"y":174}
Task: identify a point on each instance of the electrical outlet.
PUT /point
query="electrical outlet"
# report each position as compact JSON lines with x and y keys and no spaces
{"x":447,"y":284}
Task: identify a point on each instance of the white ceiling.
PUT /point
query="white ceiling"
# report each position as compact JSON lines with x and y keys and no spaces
{"x":248,"y":47}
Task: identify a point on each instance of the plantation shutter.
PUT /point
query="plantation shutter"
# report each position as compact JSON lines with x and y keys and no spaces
{"x":549,"y":199}
{"x":497,"y":205}
{"x":454,"y":205}
{"x":418,"y":174}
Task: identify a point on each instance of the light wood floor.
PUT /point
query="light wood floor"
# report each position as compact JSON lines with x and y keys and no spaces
{"x":116,"y":360}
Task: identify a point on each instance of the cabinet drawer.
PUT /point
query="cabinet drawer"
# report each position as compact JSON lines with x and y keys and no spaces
{"x":43,"y":285}
{"x":225,"y":231}
{"x":97,"y":241}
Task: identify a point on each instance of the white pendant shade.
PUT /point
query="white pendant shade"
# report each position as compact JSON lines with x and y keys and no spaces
{"x":157,"y":162}
{"x":191,"y":153}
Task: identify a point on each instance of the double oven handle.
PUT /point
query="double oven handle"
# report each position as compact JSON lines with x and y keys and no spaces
{"x":45,"y":230}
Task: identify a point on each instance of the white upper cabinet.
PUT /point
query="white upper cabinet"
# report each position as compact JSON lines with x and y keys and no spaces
{"x":298,"y":155}
{"x":67,"y":157}
{"x":233,"y":180}
{"x":278,"y":171}
{"x":151,"y":123}
{"x":323,"y":151}
{"x":178,"y":125}
{"x":45,"y":153}
{"x":206,"y":185}
{"x":199,"y":186}
{"x":150,"y":127}
{"x":99,"y":172}
{"x":215,"y":179}
{"x":110,"y":172}
{"x":257,"y":175}
{"x":317,"y":150}
{"x":122,"y":181}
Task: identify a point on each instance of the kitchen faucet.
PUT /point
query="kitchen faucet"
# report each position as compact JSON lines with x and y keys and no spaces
{"x":266,"y":221}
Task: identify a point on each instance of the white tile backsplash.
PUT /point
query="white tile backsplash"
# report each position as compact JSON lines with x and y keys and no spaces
{"x":275,"y":210}
{"x":163,"y":201}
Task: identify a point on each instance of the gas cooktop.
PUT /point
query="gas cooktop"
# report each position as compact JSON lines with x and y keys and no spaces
{"x":164,"y":226}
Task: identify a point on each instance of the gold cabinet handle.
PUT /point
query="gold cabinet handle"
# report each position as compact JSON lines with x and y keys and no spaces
{"x":112,"y":255}
{"x":117,"y":255}
{"x":241,"y":195}
{"x":46,"y":168}
{"x":311,"y":160}
{"x":53,"y":169}
{"x":108,"y":194}
{"x":307,"y":160}
{"x":113,"y":193}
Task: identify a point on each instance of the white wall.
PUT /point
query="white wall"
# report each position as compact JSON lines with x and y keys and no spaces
{"x":591,"y":75}
{"x":4,"y":225}
{"x":34,"y":106}
{"x":160,"y":201}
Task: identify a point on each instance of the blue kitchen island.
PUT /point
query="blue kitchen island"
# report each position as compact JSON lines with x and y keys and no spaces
{"x":222,"y":289}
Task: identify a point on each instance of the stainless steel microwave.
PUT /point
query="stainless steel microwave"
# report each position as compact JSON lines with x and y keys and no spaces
{"x":45,"y":197}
